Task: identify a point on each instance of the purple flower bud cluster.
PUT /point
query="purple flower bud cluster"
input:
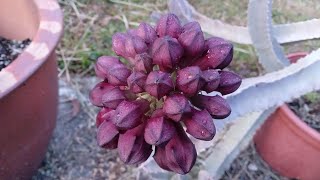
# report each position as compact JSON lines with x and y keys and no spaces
{"x":155,"y":98}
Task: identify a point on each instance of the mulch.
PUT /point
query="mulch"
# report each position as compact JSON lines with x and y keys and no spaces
{"x":308,"y":110}
{"x":10,"y":49}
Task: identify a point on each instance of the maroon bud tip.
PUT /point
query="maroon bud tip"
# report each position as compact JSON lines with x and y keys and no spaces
{"x":189,"y":80}
{"x":158,"y":84}
{"x":128,"y":46}
{"x":118,"y":74}
{"x":175,"y":106}
{"x":217,"y":106}
{"x":200,"y":125}
{"x":214,"y":42}
{"x":192,"y":39}
{"x":136,"y":82}
{"x":132,"y":147}
{"x":103,"y":64}
{"x":107,"y":135}
{"x":146,"y":32}
{"x":161,"y":158}
{"x":169,"y":25}
{"x":113,"y":98}
{"x":103,"y":115}
{"x":127,"y":115}
{"x":98,"y":92}
{"x":143,"y":63}
{"x":180,"y":153}
{"x":119,"y":43}
{"x":166,"y":52}
{"x":229,"y":82}
{"x":158,"y":130}
{"x":216,"y":57}
{"x":212,"y":78}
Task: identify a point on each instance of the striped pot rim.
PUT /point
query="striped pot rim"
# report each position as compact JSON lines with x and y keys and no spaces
{"x":43,"y":43}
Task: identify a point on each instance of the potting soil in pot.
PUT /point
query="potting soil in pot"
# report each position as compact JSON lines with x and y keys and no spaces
{"x":307,"y":108}
{"x":10,"y":49}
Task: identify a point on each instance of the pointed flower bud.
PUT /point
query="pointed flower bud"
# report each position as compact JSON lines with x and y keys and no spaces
{"x":229,"y":82}
{"x":200,"y":125}
{"x":180,"y":153}
{"x":214,"y":41}
{"x":128,"y":46}
{"x":146,"y":32}
{"x":189,"y":80}
{"x":161,"y":158}
{"x":212,"y":78}
{"x":98,"y":92}
{"x":113,"y":98}
{"x":192,"y":39}
{"x":158,"y":130}
{"x":143,"y":63}
{"x":103,"y":64}
{"x":216,"y":105}
{"x":166,"y":52}
{"x":103,"y":115}
{"x":119,"y":44}
{"x":111,"y":68}
{"x":132,"y":147}
{"x":127,"y":115}
{"x":158,"y":84}
{"x":118,"y":74}
{"x":107,"y":135}
{"x":216,"y":57}
{"x":175,"y":106}
{"x":169,"y":25}
{"x":136,"y":82}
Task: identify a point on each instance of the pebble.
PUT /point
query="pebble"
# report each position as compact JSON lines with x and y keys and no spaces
{"x":252,"y":167}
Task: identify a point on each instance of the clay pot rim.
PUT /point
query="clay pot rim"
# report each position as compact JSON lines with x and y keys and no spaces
{"x":295,"y":123}
{"x":43,"y":43}
{"x":299,"y":127}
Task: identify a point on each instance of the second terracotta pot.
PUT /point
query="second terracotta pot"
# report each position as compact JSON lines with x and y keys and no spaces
{"x":288,"y":145}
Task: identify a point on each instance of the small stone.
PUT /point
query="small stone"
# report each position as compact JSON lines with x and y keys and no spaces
{"x":252,"y":167}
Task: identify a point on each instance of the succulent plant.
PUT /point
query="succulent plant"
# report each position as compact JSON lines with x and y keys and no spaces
{"x":149,"y":100}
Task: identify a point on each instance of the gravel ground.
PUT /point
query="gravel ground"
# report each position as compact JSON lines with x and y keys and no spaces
{"x":10,"y":49}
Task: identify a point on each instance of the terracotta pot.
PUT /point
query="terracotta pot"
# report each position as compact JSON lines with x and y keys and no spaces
{"x":288,"y":145}
{"x":28,"y":86}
